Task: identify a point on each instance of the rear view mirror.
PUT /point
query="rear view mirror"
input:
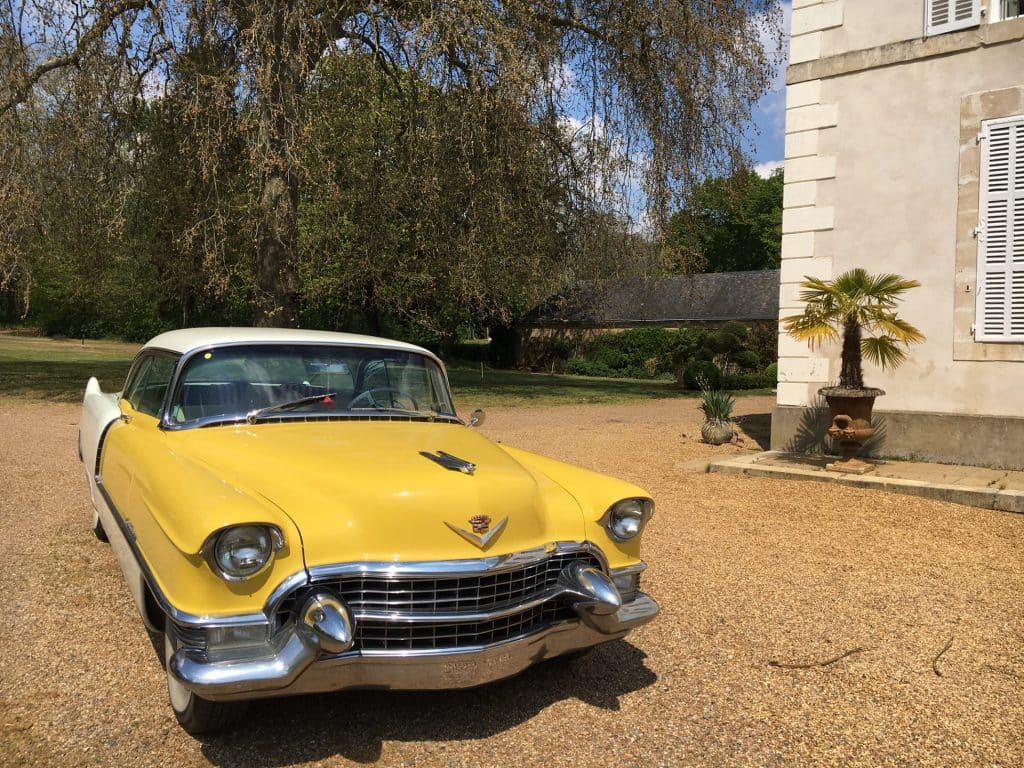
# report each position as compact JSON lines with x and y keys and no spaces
{"x":476,"y":418}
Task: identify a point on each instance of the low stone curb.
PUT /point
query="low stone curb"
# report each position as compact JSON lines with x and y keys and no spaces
{"x":987,"y":498}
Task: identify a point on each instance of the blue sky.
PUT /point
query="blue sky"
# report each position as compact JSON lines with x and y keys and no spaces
{"x":768,"y":129}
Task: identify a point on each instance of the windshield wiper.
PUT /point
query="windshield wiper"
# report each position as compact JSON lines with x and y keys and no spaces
{"x":252,"y":416}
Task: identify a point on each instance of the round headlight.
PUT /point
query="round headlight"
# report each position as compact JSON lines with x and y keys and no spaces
{"x":626,"y":518}
{"x":244,"y":550}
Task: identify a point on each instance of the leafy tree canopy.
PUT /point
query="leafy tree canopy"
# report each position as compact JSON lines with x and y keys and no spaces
{"x":729,"y":224}
{"x":281,"y":160}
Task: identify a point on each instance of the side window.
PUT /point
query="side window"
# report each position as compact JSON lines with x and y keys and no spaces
{"x":148,"y":390}
{"x":136,"y":377}
{"x":1009,"y":9}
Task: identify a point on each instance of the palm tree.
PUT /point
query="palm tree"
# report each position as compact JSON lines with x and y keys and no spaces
{"x":856,"y":301}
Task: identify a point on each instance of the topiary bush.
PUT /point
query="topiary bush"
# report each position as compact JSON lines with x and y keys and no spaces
{"x":702,"y":374}
{"x":747,"y":360}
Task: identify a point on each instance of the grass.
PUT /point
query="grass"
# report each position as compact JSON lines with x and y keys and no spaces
{"x":501,"y":388}
{"x":52,"y":369}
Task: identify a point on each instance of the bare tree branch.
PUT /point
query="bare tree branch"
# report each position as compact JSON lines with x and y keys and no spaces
{"x":935,"y":661}
{"x":99,"y":28}
{"x":813,"y":664}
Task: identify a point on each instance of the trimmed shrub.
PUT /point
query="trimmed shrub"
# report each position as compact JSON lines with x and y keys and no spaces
{"x":764,"y":340}
{"x":732,"y":381}
{"x":580,"y":367}
{"x":702,"y":374}
{"x":772,"y":372}
{"x":736,"y":329}
{"x":638,"y":348}
{"x":747,"y":360}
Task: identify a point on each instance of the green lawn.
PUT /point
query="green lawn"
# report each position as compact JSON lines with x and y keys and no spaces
{"x":500,"y":388}
{"x":51,"y":369}
{"x":32,"y":366}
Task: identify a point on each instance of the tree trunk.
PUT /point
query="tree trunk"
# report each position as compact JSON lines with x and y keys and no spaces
{"x":279,"y":77}
{"x":851,"y":376}
{"x":277,"y":247}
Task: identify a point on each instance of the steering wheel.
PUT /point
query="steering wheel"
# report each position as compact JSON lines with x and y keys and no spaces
{"x":369,"y":396}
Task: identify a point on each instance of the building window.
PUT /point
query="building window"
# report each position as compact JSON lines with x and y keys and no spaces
{"x":949,"y":15}
{"x":1009,"y":9}
{"x":1000,"y":295}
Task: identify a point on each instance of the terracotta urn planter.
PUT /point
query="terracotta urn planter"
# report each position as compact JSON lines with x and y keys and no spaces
{"x":850,"y":409}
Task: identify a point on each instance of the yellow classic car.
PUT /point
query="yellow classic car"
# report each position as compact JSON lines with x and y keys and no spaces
{"x":303,"y":511}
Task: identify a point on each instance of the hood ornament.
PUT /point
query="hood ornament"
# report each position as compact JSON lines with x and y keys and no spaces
{"x":448,"y":461}
{"x":482,"y":533}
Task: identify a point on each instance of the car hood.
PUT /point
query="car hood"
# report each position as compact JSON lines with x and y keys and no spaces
{"x":361,"y":490}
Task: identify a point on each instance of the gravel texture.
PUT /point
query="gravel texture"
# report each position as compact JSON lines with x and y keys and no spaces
{"x":754,"y":576}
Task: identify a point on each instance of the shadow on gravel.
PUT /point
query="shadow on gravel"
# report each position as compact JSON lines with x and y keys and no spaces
{"x":758,"y":427}
{"x":355,"y":724}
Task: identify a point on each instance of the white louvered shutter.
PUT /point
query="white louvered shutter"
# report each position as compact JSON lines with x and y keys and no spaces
{"x":1000,"y":308}
{"x":947,"y":15}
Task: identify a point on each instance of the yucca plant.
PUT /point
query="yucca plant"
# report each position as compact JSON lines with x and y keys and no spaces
{"x":849,"y":305}
{"x":716,"y":406}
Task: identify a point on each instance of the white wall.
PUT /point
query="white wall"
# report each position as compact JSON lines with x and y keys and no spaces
{"x":872,"y":176}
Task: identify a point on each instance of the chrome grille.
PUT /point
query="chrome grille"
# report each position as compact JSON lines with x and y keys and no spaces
{"x":370,"y":595}
{"x":374,"y":635}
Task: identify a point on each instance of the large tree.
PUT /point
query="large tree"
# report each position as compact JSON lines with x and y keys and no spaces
{"x":664,"y":86}
{"x":729,"y":224}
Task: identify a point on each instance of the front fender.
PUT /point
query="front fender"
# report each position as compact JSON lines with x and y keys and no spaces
{"x":174,"y":504}
{"x":595,"y":493}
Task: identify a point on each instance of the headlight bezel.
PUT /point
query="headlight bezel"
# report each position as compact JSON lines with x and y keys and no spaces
{"x":212,"y":546}
{"x":637,"y":508}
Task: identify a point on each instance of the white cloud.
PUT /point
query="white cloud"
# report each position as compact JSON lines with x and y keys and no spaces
{"x":764,"y":170}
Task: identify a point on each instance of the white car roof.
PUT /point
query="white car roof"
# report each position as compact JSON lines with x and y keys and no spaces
{"x":190,"y":339}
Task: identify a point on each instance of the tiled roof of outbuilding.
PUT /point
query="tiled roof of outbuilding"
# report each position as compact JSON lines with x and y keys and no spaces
{"x":708,"y":297}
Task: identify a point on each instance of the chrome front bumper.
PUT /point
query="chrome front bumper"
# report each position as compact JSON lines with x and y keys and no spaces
{"x":309,"y":657}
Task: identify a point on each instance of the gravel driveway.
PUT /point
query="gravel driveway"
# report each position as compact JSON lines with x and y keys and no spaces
{"x":752,"y":574}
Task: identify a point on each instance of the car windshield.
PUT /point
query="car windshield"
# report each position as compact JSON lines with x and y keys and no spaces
{"x":271,"y":381}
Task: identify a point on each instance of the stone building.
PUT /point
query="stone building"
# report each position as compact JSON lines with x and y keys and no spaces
{"x":905,"y":153}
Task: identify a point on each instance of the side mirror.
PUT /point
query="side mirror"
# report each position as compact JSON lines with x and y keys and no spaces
{"x":476,"y":418}
{"x":126,"y":410}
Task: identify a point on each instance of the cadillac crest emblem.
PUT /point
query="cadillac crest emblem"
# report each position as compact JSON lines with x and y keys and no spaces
{"x":482,"y":533}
